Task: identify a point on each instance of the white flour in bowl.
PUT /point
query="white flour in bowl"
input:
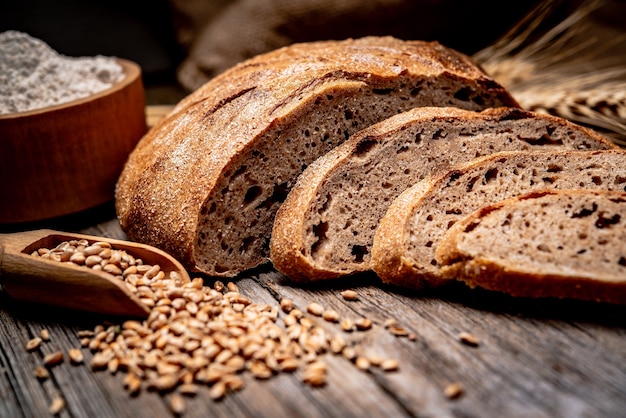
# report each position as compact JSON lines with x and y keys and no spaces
{"x":33,"y":75}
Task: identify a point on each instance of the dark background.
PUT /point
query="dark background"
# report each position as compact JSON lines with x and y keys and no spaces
{"x":144,"y":30}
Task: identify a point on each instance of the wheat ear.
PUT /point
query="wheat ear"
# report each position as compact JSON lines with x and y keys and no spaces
{"x":561,"y":72}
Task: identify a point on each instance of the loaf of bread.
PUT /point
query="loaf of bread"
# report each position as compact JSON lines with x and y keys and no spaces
{"x":325,"y":228}
{"x":404,"y":246}
{"x":204,"y":184}
{"x":557,"y":243}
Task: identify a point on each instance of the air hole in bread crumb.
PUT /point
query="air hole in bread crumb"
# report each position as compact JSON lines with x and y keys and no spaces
{"x":622,"y":261}
{"x":279,"y":194}
{"x":387,"y":185}
{"x":211,"y":209}
{"x":454,"y":176}
{"x":468,"y":228}
{"x":553,"y":168}
{"x":319,"y":231}
{"x":596,"y":180}
{"x":440,"y":134}
{"x":415,"y":91}
{"x":584,"y":212}
{"x":470,"y":184}
{"x":359,"y":252}
{"x":604,"y":222}
{"x":463,"y":94}
{"x":543,"y":248}
{"x":220,"y":269}
{"x":364,"y":146}
{"x":246,"y":244}
{"x":478,"y":100}
{"x":252,"y":194}
{"x":491,"y":174}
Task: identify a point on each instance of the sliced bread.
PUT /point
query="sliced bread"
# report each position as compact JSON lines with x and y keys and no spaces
{"x":204,"y":184}
{"x":408,"y":235}
{"x":325,"y":228}
{"x":557,"y":243}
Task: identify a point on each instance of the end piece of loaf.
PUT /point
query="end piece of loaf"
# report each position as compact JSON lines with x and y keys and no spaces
{"x":408,"y":235}
{"x":325,"y":228}
{"x":204,"y":184}
{"x":558,"y":243}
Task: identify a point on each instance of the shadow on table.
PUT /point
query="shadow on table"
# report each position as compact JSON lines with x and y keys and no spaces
{"x":34,"y":312}
{"x":68,"y":223}
{"x":461,"y":295}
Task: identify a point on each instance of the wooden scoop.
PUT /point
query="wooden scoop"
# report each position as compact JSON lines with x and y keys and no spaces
{"x":34,"y":279}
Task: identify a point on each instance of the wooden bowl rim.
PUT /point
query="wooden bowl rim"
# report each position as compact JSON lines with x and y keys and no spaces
{"x":131,"y":70}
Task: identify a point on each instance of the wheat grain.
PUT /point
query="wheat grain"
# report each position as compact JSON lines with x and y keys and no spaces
{"x":41,"y":373}
{"x":468,"y":339}
{"x":56,"y":406}
{"x":33,"y":344}
{"x":196,"y":335}
{"x":563,"y":71}
{"x":453,"y":390}
{"x":53,"y":359}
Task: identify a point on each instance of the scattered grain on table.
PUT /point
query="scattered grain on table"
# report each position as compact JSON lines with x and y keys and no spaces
{"x":205,"y":336}
{"x":468,"y":339}
{"x":453,"y":390}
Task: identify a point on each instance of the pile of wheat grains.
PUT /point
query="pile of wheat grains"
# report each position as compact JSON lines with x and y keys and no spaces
{"x":206,"y":337}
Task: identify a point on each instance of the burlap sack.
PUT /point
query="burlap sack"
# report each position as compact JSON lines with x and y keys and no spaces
{"x":218,"y":33}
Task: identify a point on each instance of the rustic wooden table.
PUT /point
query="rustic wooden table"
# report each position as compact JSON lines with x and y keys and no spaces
{"x":535,"y":358}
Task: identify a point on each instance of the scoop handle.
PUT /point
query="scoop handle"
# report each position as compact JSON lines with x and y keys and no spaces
{"x":33,"y":279}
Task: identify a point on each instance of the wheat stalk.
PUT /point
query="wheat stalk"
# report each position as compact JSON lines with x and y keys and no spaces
{"x":561,"y":72}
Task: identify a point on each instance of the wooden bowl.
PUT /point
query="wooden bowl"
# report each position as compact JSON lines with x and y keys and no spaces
{"x":67,"y":158}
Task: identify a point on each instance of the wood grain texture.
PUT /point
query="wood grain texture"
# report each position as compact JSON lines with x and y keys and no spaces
{"x":66,"y":158}
{"x":535,"y":358}
{"x":34,"y":279}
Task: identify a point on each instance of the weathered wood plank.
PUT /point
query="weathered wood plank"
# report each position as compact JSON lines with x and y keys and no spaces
{"x":526,"y":360}
{"x":539,"y":358}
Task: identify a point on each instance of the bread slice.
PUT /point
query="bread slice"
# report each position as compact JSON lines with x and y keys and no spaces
{"x":557,"y":243}
{"x":204,"y":184}
{"x":325,"y":228}
{"x":407,"y":238}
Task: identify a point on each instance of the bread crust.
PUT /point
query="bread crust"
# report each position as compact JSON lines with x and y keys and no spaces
{"x":480,"y":268}
{"x":185,"y":161}
{"x":389,"y":259}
